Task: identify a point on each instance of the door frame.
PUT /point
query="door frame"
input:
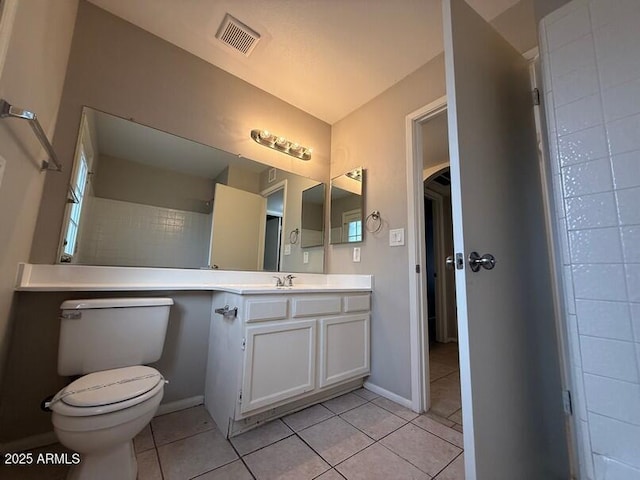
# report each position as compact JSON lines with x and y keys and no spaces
{"x":419,"y":335}
{"x":281,"y":185}
{"x":442,"y":324}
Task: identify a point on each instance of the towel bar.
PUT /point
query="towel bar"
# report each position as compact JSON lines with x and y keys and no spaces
{"x":9,"y":111}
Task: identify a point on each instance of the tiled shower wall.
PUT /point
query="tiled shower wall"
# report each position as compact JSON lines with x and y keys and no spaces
{"x":130,"y":234}
{"x":591,"y":62}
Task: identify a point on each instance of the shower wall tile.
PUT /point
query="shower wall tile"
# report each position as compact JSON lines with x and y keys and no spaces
{"x":596,"y":245}
{"x":569,"y":28}
{"x":583,"y":146}
{"x":609,"y":358}
{"x":623,"y":134}
{"x":626,"y":170}
{"x":629,"y":205}
{"x":570,"y":57}
{"x":599,"y":282}
{"x":579,"y":115}
{"x":616,"y":439}
{"x":613,"y":398}
{"x":612,"y":470}
{"x":617,"y":46}
{"x":635,"y":322}
{"x":591,"y":65}
{"x":621,"y":101}
{"x":633,"y":281}
{"x":587,"y":178}
{"x":584,"y":446}
{"x":130,"y":234}
{"x":604,"y":12}
{"x":591,"y":211}
{"x":604,"y":319}
{"x":575,"y":85}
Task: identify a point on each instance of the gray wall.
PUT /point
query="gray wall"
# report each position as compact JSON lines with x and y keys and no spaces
{"x":118,"y":68}
{"x":32,"y":78}
{"x":128,"y":181}
{"x":374,"y":137}
{"x":31,"y":370}
{"x":517,"y":24}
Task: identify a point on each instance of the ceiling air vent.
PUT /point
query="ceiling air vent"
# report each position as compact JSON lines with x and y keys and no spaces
{"x":237,"y":35}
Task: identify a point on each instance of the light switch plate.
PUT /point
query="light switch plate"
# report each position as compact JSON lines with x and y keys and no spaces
{"x":287,"y":249}
{"x":3,"y":162}
{"x":396,"y":237}
{"x":305,"y":257}
{"x":356,"y":254}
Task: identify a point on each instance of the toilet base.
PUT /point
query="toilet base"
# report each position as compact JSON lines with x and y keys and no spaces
{"x":117,"y":462}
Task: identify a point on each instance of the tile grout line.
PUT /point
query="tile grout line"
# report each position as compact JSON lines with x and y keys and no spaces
{"x":435,"y":477}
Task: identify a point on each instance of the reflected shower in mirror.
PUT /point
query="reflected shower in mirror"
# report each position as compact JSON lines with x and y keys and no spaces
{"x":313,"y":216}
{"x":148,"y":198}
{"x":347,"y":205}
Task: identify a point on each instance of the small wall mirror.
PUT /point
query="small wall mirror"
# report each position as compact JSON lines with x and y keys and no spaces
{"x":347,"y":205}
{"x":313,"y":217}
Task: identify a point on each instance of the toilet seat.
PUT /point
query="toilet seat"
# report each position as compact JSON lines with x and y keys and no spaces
{"x":108,"y":391}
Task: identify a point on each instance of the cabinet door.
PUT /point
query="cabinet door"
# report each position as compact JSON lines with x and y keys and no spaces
{"x":344,"y":348}
{"x":279,"y":363}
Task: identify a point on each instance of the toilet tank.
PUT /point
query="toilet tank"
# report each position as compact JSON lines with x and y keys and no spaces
{"x":105,"y":333}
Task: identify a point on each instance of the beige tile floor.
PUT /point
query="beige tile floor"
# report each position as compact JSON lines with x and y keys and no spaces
{"x":444,"y":371}
{"x":356,"y":436}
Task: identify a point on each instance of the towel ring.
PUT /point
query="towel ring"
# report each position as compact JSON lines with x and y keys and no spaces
{"x":293,"y":236}
{"x":373,"y":222}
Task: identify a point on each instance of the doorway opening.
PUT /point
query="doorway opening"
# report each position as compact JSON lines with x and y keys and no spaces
{"x":442,"y":327}
{"x":273,"y":227}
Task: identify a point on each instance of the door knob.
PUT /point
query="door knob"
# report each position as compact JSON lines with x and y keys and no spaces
{"x":486,"y":261}
{"x":450,"y":262}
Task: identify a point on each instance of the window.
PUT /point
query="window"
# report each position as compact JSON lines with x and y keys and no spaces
{"x":79,"y":187}
{"x":78,"y":191}
{"x":352,"y":226}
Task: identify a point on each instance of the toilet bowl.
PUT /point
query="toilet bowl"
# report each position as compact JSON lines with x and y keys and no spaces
{"x":98,"y":416}
{"x":108,"y":341}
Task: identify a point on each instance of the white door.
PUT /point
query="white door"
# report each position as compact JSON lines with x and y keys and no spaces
{"x":237,"y":229}
{"x":511,"y":399}
{"x":279,"y":363}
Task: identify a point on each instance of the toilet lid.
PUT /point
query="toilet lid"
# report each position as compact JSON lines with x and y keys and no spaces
{"x":111,"y":386}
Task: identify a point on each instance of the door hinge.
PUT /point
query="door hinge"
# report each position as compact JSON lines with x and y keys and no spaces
{"x":567,"y":403}
{"x":240,"y":396}
{"x":244,"y":343}
{"x":536,"y":96}
{"x":417,"y":268}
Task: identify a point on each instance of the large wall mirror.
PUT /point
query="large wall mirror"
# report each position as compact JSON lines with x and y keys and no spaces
{"x":347,"y":205}
{"x":143,"y":197}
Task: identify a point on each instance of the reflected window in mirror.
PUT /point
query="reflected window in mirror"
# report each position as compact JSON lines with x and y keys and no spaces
{"x":347,"y":205}
{"x":80,"y":184}
{"x":147,"y":198}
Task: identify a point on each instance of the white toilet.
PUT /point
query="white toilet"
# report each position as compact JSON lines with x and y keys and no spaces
{"x":108,"y":341}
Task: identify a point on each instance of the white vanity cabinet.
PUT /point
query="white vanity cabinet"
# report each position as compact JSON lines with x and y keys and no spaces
{"x":283,"y":352}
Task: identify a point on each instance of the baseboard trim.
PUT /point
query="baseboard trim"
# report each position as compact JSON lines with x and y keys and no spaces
{"x":49,"y":438}
{"x":29,"y":443}
{"x":389,"y":395}
{"x":178,"y":405}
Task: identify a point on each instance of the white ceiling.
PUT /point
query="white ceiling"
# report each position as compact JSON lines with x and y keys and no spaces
{"x":326,"y":57}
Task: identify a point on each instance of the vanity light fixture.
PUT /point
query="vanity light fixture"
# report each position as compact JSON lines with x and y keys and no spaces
{"x":281,"y":144}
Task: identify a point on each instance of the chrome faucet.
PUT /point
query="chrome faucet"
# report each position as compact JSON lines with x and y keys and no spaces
{"x":279,"y":281}
{"x":289,"y":280}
